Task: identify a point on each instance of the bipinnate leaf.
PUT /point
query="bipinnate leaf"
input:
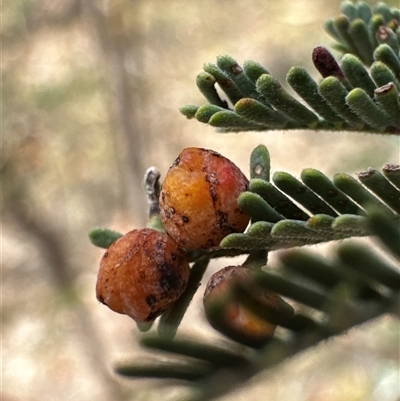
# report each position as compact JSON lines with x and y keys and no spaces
{"x":336,"y":209}
{"x":347,"y":98}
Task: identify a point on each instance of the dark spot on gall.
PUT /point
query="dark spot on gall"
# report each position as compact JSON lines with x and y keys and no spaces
{"x":176,"y":161}
{"x":153,"y":315}
{"x":212,"y":178}
{"x":222,"y":218}
{"x":210,"y":243}
{"x":173,"y":256}
{"x":172,"y":210}
{"x":106,"y":254}
{"x":151,"y":299}
{"x":170,"y":281}
{"x":162,"y":267}
{"x":213,"y":193}
{"x":185,"y":219}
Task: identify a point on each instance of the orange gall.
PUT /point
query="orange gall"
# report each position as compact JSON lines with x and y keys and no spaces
{"x":198,"y":200}
{"x":243,"y":324}
{"x":142,"y":274}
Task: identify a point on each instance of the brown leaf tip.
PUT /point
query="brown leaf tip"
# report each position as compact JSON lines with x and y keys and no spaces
{"x":382,"y":90}
{"x":367,"y":174}
{"x":391,"y":168}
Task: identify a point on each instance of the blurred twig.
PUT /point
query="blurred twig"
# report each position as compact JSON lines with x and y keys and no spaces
{"x":111,"y":35}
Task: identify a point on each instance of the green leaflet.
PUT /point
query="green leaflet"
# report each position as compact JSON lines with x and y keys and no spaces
{"x":103,"y":237}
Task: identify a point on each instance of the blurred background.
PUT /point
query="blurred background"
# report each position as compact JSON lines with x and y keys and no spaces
{"x":91,"y":91}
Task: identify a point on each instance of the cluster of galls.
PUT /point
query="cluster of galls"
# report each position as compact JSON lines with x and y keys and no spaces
{"x":144,"y":272}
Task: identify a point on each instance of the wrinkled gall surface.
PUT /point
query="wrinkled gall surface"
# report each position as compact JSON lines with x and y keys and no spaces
{"x":198,"y":200}
{"x":142,"y":274}
{"x":240,"y":320}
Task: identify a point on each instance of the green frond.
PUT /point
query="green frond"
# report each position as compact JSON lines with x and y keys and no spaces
{"x":290,"y":212}
{"x":350,"y":96}
{"x":355,"y":286}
